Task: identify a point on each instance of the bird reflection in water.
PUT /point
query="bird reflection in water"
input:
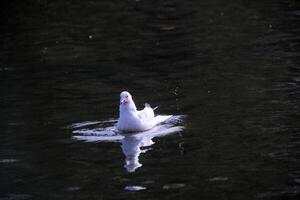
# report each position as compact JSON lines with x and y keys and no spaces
{"x":132,"y":144}
{"x":132,"y":148}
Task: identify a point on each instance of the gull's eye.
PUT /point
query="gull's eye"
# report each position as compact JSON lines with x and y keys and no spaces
{"x":126,"y":96}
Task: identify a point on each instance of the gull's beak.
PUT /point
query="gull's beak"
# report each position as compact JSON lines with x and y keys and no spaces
{"x":123,"y":101}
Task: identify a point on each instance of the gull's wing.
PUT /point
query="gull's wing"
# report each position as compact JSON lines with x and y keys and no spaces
{"x":146,"y":114}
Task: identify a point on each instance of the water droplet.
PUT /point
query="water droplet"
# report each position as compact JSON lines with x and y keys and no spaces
{"x":8,"y":160}
{"x":134,"y":188}
{"x":173,"y":186}
{"x":176,"y":91}
{"x":6,"y":69}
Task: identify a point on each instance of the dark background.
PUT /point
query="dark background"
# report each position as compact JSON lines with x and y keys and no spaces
{"x":231,"y":66}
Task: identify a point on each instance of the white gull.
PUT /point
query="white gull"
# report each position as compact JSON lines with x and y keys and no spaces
{"x":133,"y":120}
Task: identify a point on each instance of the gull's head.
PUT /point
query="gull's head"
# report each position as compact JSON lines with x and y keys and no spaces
{"x":125,"y":98}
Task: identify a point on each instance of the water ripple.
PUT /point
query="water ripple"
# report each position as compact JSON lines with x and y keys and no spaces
{"x":131,"y":143}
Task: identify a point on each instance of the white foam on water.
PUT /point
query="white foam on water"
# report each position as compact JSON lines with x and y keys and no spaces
{"x":134,"y":188}
{"x":131,"y":143}
{"x":88,"y":123}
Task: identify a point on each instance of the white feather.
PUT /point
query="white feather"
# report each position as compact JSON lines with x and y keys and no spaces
{"x":132,"y":120}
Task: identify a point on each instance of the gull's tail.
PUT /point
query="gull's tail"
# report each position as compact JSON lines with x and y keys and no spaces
{"x":148,"y":105}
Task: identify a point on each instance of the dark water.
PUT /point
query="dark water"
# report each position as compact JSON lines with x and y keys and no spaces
{"x":232,"y":67}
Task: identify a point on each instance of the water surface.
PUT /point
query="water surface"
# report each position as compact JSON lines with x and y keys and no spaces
{"x":231,"y":66}
{"x":133,"y":143}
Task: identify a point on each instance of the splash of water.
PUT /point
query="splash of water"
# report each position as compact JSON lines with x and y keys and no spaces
{"x":131,"y":143}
